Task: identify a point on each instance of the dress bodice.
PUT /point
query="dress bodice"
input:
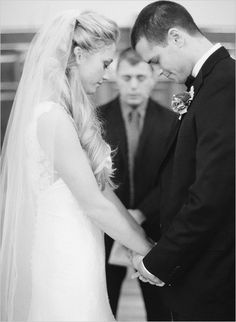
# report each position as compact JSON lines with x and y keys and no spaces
{"x":41,"y":170}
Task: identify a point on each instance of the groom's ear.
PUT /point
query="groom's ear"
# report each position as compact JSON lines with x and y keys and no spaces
{"x":176,"y":37}
{"x":78,"y":54}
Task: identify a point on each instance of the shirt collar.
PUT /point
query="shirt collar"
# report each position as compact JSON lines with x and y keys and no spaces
{"x":127,"y":109}
{"x":202,"y":60}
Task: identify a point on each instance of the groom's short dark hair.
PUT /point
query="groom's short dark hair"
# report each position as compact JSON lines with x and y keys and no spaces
{"x":154,"y":21}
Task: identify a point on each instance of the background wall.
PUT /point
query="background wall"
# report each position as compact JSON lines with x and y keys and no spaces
{"x":20,"y":19}
{"x":31,"y":14}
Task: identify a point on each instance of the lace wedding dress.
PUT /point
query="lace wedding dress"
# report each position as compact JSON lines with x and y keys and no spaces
{"x":68,"y":257}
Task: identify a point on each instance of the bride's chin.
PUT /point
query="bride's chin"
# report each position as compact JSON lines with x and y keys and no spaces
{"x":91,"y":90}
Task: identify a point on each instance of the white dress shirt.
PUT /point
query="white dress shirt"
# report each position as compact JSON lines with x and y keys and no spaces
{"x":202,"y":60}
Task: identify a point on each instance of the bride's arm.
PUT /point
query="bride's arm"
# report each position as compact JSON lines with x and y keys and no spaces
{"x":111,"y":197}
{"x":73,"y":167}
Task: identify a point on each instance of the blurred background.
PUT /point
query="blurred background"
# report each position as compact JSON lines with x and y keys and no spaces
{"x":19,"y":20}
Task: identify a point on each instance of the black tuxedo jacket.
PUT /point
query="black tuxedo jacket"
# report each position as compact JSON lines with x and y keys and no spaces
{"x":195,"y":255}
{"x":158,"y":128}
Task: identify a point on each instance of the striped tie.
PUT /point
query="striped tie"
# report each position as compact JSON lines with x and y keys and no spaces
{"x":133,"y":132}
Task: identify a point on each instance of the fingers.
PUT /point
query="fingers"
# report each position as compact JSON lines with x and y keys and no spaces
{"x":130,"y":256}
{"x":135,"y":275}
{"x":143,"y":279}
{"x":136,"y":259}
{"x":138,"y":275}
{"x":155,"y":282}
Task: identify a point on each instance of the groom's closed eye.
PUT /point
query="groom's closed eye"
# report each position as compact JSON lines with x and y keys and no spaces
{"x":154,"y":61}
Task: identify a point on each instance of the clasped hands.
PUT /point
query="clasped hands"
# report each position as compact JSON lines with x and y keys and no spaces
{"x":141,"y":272}
{"x":137,"y":260}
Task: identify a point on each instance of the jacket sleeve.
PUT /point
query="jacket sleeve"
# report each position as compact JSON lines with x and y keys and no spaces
{"x":151,"y":204}
{"x":150,"y":207}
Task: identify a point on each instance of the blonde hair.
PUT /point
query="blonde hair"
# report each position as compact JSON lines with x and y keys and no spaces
{"x":92,"y":32}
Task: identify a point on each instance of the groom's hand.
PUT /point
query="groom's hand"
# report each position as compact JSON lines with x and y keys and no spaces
{"x":142,"y":273}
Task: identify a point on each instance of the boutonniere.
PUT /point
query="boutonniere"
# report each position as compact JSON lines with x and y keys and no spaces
{"x":180,"y":102}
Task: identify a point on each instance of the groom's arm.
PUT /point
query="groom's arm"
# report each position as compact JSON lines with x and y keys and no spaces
{"x":150,"y":209}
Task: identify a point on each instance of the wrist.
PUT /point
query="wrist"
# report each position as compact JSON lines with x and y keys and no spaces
{"x":144,"y":271}
{"x":149,"y":246}
{"x":148,"y":275}
{"x":137,"y":215}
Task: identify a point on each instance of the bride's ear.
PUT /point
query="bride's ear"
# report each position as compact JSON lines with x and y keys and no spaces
{"x":78,"y":54}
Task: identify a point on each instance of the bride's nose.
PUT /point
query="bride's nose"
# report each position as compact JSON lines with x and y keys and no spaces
{"x":105,"y":75}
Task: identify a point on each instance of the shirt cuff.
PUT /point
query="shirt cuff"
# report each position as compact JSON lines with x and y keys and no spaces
{"x":150,"y":275}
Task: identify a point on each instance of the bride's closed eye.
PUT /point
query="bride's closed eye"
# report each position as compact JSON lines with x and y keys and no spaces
{"x":106,"y":63}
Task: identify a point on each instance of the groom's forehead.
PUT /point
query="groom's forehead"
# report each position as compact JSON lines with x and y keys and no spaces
{"x":145,"y":48}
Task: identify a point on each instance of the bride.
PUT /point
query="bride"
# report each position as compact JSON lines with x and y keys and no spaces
{"x":56,"y":187}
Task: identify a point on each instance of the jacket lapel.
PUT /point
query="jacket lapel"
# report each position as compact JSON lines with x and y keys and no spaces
{"x":118,"y":126}
{"x":147,"y":128}
{"x":172,"y":137}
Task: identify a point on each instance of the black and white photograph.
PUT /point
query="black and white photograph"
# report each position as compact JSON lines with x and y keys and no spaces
{"x":117,"y":171}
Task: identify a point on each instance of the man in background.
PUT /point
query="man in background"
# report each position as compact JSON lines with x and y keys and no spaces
{"x":139,"y":128}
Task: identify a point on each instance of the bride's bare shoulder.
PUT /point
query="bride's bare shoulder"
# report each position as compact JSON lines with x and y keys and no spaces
{"x":49,"y":107}
{"x":53,"y":117}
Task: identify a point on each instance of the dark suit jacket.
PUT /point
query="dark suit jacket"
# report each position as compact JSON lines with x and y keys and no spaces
{"x":159,"y":125}
{"x":195,"y":255}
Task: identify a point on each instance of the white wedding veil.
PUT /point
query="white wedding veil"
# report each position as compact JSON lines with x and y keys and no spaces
{"x":44,"y":78}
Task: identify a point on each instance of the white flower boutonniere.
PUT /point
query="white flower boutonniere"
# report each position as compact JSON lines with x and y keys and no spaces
{"x":180,"y":102}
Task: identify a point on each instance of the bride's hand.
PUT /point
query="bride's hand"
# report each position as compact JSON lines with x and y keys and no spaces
{"x":136,"y":259}
{"x":132,"y":254}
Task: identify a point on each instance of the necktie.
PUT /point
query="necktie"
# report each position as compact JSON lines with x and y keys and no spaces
{"x":189,"y":81}
{"x":133,"y":132}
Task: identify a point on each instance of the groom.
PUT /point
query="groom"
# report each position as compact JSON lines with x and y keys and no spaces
{"x":194,"y":259}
